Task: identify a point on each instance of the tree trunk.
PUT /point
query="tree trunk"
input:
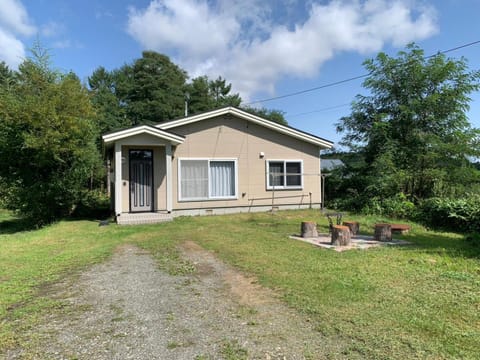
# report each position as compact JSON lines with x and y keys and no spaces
{"x":309,"y":229}
{"x":341,"y":235}
{"x":383,"y":232}
{"x":354,"y":226}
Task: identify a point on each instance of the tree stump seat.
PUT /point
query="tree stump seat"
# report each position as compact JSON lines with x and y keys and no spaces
{"x":383,"y":232}
{"x":354,"y":226}
{"x":400,"y":228}
{"x":341,"y":235}
{"x":309,"y":229}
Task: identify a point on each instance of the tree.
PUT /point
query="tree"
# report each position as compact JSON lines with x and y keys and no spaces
{"x":205,"y":95}
{"x":220,"y":92}
{"x":111,"y":115}
{"x":269,"y":114}
{"x":412,"y":128}
{"x":47,"y":140}
{"x":157,"y":91}
{"x":152,"y":89}
{"x":7,"y":76}
{"x":198,"y":93}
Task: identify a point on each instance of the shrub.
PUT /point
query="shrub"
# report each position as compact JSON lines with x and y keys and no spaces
{"x":452,"y":214}
{"x":93,"y":204}
{"x":397,"y":206}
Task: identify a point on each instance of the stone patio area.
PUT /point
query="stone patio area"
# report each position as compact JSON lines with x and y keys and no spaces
{"x":361,"y":242}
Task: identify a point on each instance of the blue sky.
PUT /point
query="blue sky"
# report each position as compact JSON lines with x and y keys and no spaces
{"x":266,"y":48}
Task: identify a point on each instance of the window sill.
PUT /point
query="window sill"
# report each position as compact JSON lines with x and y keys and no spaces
{"x":284,"y":188}
{"x":209,"y":199}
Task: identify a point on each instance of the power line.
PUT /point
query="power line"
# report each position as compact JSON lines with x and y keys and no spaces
{"x":352,"y":78}
{"x":309,"y":90}
{"x":320,"y":110}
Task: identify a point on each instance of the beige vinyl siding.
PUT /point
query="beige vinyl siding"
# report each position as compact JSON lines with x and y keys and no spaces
{"x":232,"y":138}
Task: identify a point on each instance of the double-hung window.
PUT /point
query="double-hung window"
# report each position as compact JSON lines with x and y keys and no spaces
{"x":207,"y":179}
{"x":284,"y":174}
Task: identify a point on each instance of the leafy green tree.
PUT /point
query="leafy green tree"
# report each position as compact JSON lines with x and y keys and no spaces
{"x":412,"y":127}
{"x":47,"y":140}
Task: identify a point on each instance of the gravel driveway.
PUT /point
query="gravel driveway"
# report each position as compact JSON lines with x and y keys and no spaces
{"x":127,"y":308}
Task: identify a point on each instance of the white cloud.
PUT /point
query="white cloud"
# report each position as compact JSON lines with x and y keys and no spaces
{"x":12,"y":50}
{"x":188,"y":25}
{"x":14,"y":17}
{"x":241,"y":41}
{"x":14,"y":23}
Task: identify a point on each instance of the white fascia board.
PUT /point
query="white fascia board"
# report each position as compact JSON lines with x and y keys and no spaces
{"x":252,"y":118}
{"x":194,"y":118}
{"x":144,"y":129}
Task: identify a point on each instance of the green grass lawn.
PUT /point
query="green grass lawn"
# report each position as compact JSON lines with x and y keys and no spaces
{"x":416,"y":301}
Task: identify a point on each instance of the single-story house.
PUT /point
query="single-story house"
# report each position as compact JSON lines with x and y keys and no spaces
{"x":221,"y":161}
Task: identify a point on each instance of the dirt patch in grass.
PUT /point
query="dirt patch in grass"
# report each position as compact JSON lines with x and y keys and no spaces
{"x":127,"y":308}
{"x":244,"y":290}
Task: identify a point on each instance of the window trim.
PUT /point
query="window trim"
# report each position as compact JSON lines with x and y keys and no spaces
{"x":209,"y":197}
{"x":285,"y":186}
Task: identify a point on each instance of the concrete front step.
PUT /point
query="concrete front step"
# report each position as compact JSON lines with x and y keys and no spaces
{"x":143,"y":218}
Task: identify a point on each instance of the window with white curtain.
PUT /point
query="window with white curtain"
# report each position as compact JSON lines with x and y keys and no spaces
{"x":284,"y":174}
{"x":203,"y":179}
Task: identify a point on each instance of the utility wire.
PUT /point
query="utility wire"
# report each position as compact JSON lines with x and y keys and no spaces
{"x":352,"y":78}
{"x":320,"y":110}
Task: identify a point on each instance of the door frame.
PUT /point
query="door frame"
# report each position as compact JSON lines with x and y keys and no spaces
{"x":130,"y":189}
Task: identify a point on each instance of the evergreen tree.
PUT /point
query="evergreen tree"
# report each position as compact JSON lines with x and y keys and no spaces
{"x":47,"y":140}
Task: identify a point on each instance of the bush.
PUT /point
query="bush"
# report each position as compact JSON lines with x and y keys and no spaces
{"x":452,"y":214}
{"x":397,"y":206}
{"x":94,"y":204}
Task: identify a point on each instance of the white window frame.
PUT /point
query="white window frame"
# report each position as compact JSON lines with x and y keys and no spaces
{"x":285,"y":186}
{"x":209,"y":197}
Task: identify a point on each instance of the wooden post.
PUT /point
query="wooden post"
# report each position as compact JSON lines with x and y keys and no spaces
{"x":354,"y":226}
{"x":309,"y":229}
{"x":341,"y":235}
{"x":109,"y":186}
{"x":383,"y":232}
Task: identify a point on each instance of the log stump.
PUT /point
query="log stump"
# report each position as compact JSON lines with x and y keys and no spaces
{"x":309,"y":229}
{"x":354,"y":226}
{"x":383,"y":232}
{"x":341,"y":235}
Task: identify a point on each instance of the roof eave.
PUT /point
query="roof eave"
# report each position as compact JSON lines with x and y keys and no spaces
{"x":287,"y":130}
{"x":174,"y":139}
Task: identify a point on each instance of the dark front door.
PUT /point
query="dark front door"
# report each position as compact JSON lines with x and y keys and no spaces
{"x":141,"y":180}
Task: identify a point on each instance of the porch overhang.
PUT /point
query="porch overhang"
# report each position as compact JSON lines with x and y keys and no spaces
{"x":130,"y":137}
{"x":164,"y":136}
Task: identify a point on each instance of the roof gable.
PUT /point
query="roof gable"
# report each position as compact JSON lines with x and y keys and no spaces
{"x":287,"y":130}
{"x":143,"y":129}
